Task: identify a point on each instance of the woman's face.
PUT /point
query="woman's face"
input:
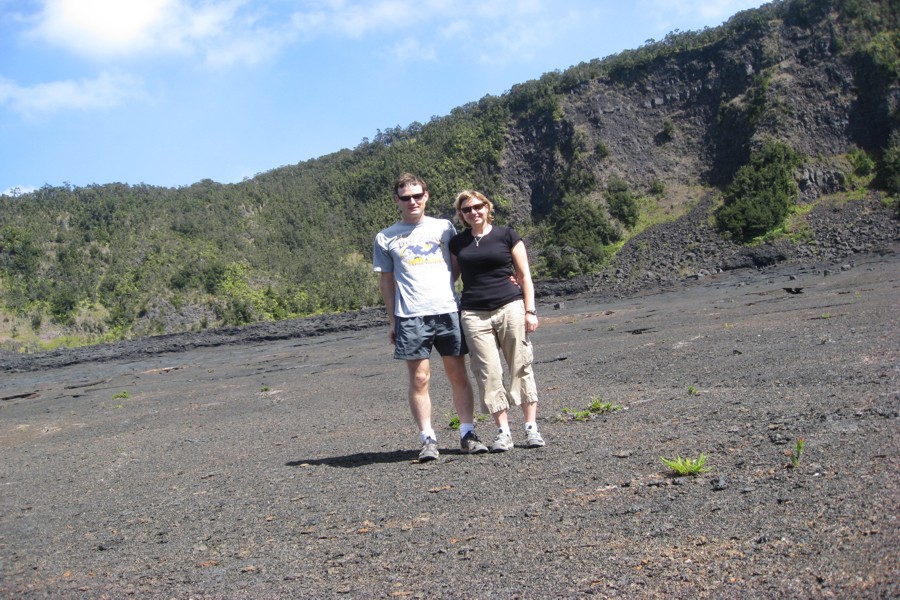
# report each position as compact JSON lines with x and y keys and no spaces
{"x":474,"y":211}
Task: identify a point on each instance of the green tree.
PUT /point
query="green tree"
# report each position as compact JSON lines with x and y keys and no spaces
{"x":622,"y":203}
{"x":19,"y":253}
{"x":578,"y":238}
{"x":761,"y":194}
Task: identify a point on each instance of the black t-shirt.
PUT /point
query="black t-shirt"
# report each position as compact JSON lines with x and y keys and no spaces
{"x":485,"y":267}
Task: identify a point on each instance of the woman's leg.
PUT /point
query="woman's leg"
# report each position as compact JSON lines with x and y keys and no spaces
{"x":517,"y":349}
{"x":484,"y":360}
{"x":509,"y":323}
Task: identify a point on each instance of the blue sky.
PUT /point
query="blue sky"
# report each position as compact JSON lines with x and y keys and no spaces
{"x":169,"y":92}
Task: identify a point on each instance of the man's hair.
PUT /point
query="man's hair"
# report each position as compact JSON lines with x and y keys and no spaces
{"x":406,"y":179}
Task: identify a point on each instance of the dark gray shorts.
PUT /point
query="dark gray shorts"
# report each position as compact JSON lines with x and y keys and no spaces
{"x":416,"y":336}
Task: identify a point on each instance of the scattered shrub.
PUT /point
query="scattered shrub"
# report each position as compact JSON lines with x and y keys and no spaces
{"x":622,"y":203}
{"x":668,"y":130}
{"x":600,"y":150}
{"x":577,"y":238}
{"x":863,"y":165}
{"x":890,"y":167}
{"x":761,"y":194}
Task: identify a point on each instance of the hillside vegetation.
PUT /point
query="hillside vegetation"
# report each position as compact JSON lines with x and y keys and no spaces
{"x":752,"y":123}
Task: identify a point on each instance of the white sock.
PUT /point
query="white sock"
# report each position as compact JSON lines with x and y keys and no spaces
{"x":427,"y":433}
{"x":530,"y":425}
{"x":465,"y":428}
{"x":504,"y":430}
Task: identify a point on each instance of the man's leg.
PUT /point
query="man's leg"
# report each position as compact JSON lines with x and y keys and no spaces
{"x":419,"y":398}
{"x":464,"y":402}
{"x":463,"y":397}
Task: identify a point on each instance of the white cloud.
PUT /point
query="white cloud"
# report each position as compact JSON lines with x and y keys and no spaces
{"x":100,"y":28}
{"x":222,"y":32}
{"x":492,"y":32}
{"x":522,"y":31}
{"x":717,"y":11}
{"x":355,"y":19}
{"x":105,"y":91}
{"x":711,"y":12}
{"x":225,"y":33}
{"x":413,"y":51}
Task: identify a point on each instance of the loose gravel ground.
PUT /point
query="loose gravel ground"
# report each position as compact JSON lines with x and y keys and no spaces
{"x":281,"y":463}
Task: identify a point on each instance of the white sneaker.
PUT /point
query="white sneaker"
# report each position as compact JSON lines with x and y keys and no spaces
{"x":503,"y":443}
{"x":429,"y":450}
{"x":534,"y":439}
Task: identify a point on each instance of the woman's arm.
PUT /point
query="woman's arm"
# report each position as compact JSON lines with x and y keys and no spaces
{"x":523,"y":276}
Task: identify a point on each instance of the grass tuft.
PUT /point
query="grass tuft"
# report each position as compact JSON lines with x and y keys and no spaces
{"x":596,"y":407}
{"x":687,"y":466}
{"x":797,"y":452}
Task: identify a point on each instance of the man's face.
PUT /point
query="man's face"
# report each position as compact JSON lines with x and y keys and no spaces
{"x":411,"y":200}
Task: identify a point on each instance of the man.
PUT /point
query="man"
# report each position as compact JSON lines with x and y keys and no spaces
{"x":413,"y":258}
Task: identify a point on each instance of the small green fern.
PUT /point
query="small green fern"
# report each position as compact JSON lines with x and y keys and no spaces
{"x":687,"y":466}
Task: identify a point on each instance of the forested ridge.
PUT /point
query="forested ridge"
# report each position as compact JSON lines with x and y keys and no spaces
{"x":771,"y":112}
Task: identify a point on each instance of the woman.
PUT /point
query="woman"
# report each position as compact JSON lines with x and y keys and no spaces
{"x":497,"y":314}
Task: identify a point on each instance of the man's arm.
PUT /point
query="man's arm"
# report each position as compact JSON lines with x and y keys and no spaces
{"x":388,"y":287}
{"x":454,"y":268}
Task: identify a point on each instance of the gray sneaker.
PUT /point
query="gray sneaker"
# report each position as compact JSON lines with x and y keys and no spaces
{"x":470,"y":444}
{"x":533,"y":438}
{"x":429,"y":450}
{"x":503,"y":443}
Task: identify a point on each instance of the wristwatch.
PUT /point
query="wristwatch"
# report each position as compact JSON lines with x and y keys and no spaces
{"x":531,"y":312}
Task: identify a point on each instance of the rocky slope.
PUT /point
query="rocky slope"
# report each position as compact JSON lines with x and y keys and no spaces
{"x":689,"y":248}
{"x":695,"y":116}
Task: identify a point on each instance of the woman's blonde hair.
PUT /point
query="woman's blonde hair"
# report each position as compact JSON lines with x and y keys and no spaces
{"x":467,"y":195}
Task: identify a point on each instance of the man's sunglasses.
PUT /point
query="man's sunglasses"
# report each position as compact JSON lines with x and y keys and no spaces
{"x":415,"y":197}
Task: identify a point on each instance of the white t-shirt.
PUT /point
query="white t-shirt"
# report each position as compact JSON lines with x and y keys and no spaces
{"x":419,"y":256}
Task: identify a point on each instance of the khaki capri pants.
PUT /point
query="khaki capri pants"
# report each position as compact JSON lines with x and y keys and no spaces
{"x":490,"y":334}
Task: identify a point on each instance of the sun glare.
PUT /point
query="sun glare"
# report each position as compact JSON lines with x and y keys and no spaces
{"x":109,"y":23}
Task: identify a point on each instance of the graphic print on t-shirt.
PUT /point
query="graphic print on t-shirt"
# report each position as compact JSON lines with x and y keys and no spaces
{"x":418,"y":251}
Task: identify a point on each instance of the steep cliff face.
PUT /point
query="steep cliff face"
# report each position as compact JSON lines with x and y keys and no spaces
{"x":689,"y":120}
{"x":693,"y":118}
